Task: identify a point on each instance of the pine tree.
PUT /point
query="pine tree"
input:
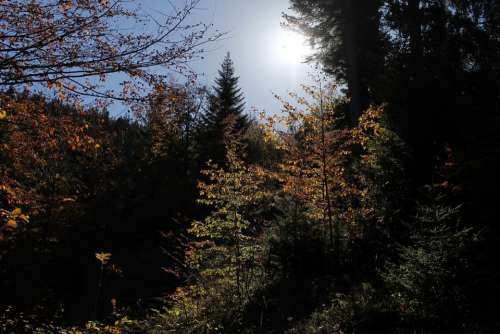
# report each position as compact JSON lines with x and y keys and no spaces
{"x":224,"y":121}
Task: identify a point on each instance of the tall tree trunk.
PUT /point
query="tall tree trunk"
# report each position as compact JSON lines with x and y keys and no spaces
{"x":325,"y":172}
{"x":419,"y":122}
{"x":238,"y":261}
{"x":353,"y":80}
{"x":416,"y":52}
{"x":354,"y":83}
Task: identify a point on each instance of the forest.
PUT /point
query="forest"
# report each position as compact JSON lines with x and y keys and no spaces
{"x":367,"y":204}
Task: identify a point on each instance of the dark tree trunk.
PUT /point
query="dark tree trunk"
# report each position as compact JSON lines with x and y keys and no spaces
{"x":358,"y":92}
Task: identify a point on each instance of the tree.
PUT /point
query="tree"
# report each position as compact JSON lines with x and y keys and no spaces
{"x":426,"y":284}
{"x":73,"y":46}
{"x":67,"y":174}
{"x":226,"y":259}
{"x":56,"y":165}
{"x":311,"y":171}
{"x":346,"y":34}
{"x":224,"y":121}
{"x":345,"y":181}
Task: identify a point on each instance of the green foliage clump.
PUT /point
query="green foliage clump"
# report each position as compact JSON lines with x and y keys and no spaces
{"x":426,"y":282}
{"x":225,"y":262}
{"x":422,"y":291}
{"x":358,"y":311}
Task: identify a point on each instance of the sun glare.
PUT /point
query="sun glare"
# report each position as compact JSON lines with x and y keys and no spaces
{"x":292,"y":47}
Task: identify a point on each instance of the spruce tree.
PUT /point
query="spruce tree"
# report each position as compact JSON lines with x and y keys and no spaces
{"x":224,"y":121}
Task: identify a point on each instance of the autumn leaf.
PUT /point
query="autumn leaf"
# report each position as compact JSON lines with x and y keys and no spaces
{"x":17,"y":214}
{"x":65,"y":6}
{"x":3,"y":114}
{"x":11,"y":223}
{"x":103,"y":257}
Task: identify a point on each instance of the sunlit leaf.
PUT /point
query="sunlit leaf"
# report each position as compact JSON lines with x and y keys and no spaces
{"x":11,"y":223}
{"x":103,"y":257}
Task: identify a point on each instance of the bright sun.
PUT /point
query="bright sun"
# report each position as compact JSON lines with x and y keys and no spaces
{"x":292,"y":47}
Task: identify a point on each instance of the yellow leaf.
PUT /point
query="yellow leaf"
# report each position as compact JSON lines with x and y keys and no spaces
{"x":11,"y":223}
{"x":3,"y":114}
{"x":103,"y":257}
{"x":16,"y":212}
{"x":24,"y":218}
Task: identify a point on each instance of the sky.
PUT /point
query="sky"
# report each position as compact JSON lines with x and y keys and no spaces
{"x":266,"y":57}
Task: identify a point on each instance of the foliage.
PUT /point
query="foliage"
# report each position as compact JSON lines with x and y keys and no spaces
{"x":226,"y":261}
{"x":224,"y":121}
{"x":74,"y":46}
{"x":359,"y":311}
{"x":434,"y":67}
{"x":18,"y":322}
{"x":426,"y":283}
{"x":310,"y":222}
{"x":347,"y":44}
{"x":76,"y":181}
{"x":340,"y":177}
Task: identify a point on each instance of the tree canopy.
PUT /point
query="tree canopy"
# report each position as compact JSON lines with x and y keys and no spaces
{"x":366,"y":204}
{"x":225,"y":119}
{"x":74,"y":46}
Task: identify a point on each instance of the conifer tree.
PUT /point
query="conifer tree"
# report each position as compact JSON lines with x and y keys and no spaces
{"x":224,"y":121}
{"x":348,"y":44}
